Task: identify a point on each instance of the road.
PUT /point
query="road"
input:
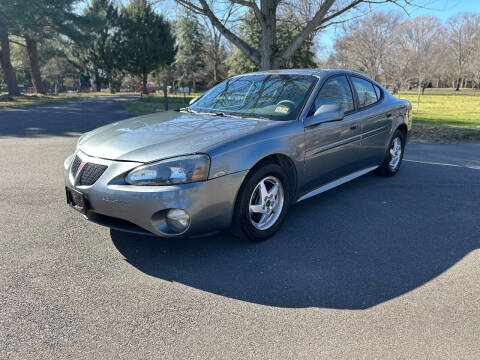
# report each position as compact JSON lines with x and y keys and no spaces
{"x":377,"y":268}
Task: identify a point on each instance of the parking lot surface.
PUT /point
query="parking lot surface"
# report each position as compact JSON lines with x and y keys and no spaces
{"x":377,"y":268}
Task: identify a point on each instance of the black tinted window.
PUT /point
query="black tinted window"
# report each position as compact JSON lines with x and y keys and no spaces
{"x":336,"y":91}
{"x":366,"y":92}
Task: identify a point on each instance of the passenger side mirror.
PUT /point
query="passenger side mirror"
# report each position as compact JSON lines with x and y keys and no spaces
{"x":192,"y":101}
{"x":325,"y":113}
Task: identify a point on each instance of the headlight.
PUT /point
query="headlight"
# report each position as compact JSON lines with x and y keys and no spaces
{"x":179,"y":170}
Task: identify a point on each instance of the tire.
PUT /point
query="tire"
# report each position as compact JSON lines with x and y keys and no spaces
{"x":390,"y":164}
{"x":258,"y":226}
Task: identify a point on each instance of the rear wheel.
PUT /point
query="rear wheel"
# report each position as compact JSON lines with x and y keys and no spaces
{"x":393,"y":158}
{"x":262,"y":203}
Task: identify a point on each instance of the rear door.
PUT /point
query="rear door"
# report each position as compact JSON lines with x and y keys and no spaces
{"x":376,"y":120}
{"x":332,"y":148}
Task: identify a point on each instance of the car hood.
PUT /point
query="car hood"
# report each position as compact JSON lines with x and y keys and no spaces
{"x":162,"y":135}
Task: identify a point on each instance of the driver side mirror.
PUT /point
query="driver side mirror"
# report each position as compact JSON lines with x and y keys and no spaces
{"x":325,"y":113}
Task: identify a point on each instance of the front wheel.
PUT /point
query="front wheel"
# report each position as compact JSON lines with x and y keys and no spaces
{"x":262,"y":203}
{"x":393,"y":158}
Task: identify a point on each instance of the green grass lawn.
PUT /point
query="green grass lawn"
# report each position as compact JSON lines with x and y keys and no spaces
{"x":446,"y":108}
{"x":25,"y":100}
{"x":445,"y":115}
{"x":155,"y":103}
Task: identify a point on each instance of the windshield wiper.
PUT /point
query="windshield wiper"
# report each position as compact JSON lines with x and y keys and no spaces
{"x":226,"y":115}
{"x":189,"y":110}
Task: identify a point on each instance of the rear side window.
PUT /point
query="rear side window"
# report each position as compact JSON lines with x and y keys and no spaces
{"x":365,"y":90}
{"x":335,"y":91}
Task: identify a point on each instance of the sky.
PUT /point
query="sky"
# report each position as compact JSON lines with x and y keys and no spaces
{"x":442,"y":9}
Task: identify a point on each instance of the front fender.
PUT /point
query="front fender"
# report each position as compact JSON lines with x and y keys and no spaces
{"x":287,"y":138}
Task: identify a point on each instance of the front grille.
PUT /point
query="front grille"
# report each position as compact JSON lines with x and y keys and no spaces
{"x":76,"y":163}
{"x":91,"y":173}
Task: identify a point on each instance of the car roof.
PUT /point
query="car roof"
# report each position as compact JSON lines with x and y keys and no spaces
{"x":314,"y":72}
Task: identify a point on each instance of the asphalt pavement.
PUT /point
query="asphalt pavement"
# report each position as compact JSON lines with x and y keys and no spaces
{"x":379,"y":268}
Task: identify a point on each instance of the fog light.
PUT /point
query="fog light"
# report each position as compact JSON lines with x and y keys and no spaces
{"x":178,"y":219}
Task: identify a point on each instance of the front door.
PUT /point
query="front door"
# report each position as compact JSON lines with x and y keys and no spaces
{"x":332,"y":149}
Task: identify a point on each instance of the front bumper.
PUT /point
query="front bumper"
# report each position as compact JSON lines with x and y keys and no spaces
{"x":142,"y":209}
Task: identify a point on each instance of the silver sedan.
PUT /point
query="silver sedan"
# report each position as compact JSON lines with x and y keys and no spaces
{"x":239,"y":156}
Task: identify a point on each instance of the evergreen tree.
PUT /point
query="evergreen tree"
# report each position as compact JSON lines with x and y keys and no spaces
{"x":190,"y":58}
{"x":37,"y":22}
{"x":98,"y":54}
{"x":146,"y":40}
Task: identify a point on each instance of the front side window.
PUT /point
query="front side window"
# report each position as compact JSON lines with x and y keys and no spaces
{"x":335,"y":91}
{"x":270,"y":96}
{"x":365,"y":91}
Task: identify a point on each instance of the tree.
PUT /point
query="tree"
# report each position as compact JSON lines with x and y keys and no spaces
{"x":146,"y":40}
{"x":37,"y":21}
{"x":463,"y":30}
{"x":98,"y":53}
{"x":5,"y":59}
{"x":54,"y":71}
{"x":269,"y":55}
{"x":190,"y":57}
{"x":215,"y":57}
{"x":474,"y":65}
{"x":365,"y":45}
{"x":215,"y":51}
{"x":421,"y":41}
{"x":250,"y":32}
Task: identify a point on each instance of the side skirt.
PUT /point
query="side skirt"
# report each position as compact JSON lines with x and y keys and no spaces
{"x":337,"y":182}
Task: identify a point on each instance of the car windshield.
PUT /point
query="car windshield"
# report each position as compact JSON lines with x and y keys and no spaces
{"x":270,"y":96}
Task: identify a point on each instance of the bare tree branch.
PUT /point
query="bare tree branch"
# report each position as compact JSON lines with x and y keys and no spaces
{"x":307,"y":30}
{"x":250,"y":52}
{"x":253,"y":5}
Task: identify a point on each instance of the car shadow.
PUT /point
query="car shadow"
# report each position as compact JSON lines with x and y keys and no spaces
{"x":354,"y":247}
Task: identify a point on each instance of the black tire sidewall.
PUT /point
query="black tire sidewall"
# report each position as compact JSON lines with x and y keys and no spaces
{"x":242,"y":215}
{"x":385,"y":169}
{"x":401,"y":136}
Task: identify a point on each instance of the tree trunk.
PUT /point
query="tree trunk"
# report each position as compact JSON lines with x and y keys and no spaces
{"x":423,"y":88}
{"x":269,"y":33}
{"x":98,"y":82}
{"x":111,"y":86}
{"x":34,"y":65}
{"x":7,"y":67}
{"x":215,"y":69}
{"x":419,"y":93}
{"x":459,"y":80}
{"x":165,"y":95}
{"x":144,"y":81}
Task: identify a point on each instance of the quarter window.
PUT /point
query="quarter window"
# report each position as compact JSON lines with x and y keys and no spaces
{"x":365,"y":91}
{"x":336,"y":91}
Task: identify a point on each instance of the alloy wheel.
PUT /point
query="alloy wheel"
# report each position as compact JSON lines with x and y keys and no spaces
{"x":395,"y":153}
{"x":266,"y":203}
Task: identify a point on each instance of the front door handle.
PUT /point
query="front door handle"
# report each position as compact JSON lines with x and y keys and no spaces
{"x":353,"y":126}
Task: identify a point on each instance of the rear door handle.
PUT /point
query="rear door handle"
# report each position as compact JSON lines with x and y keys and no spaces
{"x":389,"y":115}
{"x":353,"y":126}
